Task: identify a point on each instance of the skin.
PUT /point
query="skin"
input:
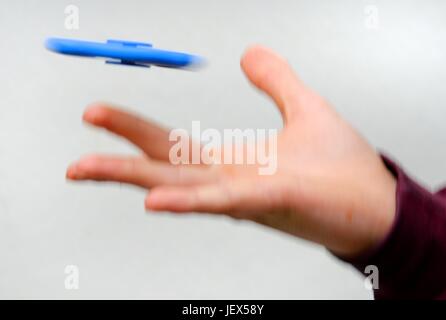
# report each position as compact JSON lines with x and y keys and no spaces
{"x":331,"y":187}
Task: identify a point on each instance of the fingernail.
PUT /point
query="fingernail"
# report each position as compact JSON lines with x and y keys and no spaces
{"x":148,"y":204}
{"x":72,"y":173}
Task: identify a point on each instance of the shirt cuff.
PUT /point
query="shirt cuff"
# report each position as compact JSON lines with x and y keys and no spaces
{"x":411,"y":260}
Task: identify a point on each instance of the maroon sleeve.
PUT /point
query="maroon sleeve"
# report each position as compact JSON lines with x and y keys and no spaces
{"x":411,"y":261}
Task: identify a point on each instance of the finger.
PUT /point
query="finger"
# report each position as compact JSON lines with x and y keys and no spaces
{"x":241,"y":199}
{"x":209,"y":198}
{"x":150,"y":137}
{"x":137,"y":171}
{"x":272,"y":74}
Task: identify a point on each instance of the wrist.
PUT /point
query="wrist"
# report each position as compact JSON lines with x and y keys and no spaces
{"x":377,"y":210}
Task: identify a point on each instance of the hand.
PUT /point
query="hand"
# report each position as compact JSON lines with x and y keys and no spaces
{"x":330,"y":186}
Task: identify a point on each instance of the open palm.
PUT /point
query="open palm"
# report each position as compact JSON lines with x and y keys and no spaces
{"x":330,"y":186}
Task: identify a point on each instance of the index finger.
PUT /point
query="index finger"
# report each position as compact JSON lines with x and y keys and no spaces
{"x":150,"y":137}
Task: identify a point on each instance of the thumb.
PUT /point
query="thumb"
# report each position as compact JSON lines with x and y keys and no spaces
{"x":272,"y":74}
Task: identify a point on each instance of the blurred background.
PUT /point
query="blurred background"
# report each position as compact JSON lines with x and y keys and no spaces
{"x":380,"y":63}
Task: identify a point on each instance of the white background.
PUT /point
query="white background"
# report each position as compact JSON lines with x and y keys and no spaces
{"x":388,"y":82}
